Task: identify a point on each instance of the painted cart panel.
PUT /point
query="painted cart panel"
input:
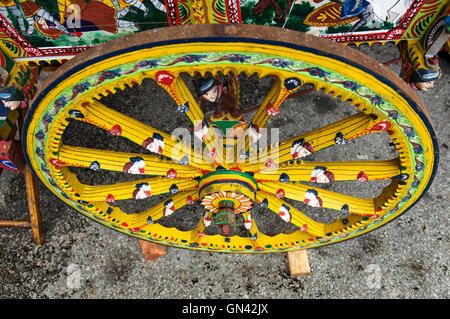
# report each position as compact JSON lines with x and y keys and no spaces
{"x":57,"y":29}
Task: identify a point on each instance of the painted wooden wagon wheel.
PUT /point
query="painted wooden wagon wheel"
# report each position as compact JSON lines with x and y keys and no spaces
{"x":231,"y":192}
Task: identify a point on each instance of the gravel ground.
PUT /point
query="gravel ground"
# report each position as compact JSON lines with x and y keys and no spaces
{"x":408,"y":258}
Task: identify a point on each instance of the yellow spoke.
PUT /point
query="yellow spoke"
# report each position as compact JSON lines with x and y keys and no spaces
{"x":130,"y":163}
{"x":336,"y":133}
{"x":317,"y":197}
{"x":147,"y":137}
{"x":115,"y":215}
{"x":279,"y":91}
{"x":204,"y":222}
{"x":180,"y":93}
{"x":139,"y":189}
{"x":250,"y":225}
{"x":290,"y":214}
{"x":186,"y":103}
{"x":164,"y":208}
{"x":326,"y":172}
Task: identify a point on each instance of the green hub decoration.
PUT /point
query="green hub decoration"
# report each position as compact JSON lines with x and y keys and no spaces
{"x":226,"y":217}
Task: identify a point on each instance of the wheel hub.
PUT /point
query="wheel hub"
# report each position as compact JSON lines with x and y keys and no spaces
{"x":227,"y":193}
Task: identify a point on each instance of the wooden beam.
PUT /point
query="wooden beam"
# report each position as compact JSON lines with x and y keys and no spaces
{"x":152,"y":251}
{"x":298,"y":263}
{"x":33,"y":207}
{"x":13,"y":223}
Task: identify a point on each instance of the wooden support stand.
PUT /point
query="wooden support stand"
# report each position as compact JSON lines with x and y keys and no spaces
{"x":33,"y":207}
{"x":298,"y":263}
{"x":152,"y":251}
{"x":35,"y":222}
{"x":31,"y":185}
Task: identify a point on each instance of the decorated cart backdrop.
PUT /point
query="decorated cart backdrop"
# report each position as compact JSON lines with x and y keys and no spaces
{"x":66,"y":27}
{"x":45,"y":33}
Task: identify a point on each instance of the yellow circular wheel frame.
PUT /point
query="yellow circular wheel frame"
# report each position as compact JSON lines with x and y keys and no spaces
{"x":252,"y":182}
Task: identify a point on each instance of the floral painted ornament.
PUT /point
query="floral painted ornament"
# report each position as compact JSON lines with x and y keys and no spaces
{"x":345,"y":209}
{"x":292,"y":84}
{"x":79,"y":88}
{"x":284,"y":178}
{"x":171,"y":173}
{"x":189,"y":200}
{"x":271,"y":163}
{"x":95,"y":166}
{"x":76,"y":114}
{"x":381,"y":126}
{"x":339,"y":139}
{"x":136,"y":165}
{"x":108,"y":75}
{"x":212,"y":153}
{"x":265,"y":203}
{"x":272,"y":110}
{"x":116,"y":130}
{"x":154,"y":144}
{"x":164,"y":78}
{"x":362,"y":177}
{"x":110,"y":198}
{"x":280,"y":193}
{"x":184,"y":108}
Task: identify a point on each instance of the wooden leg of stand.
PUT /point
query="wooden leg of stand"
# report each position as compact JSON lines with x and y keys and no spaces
{"x":152,"y":251}
{"x":298,"y":263}
{"x":33,"y":207}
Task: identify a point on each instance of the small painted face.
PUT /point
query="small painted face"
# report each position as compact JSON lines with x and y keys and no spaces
{"x":322,"y":178}
{"x":201,"y":131}
{"x":142,"y":191}
{"x":212,"y":95}
{"x":424,"y":86}
{"x":169,"y":208}
{"x":138,"y":167}
{"x":254,"y":134}
{"x":155,"y":146}
{"x":302,"y":152}
{"x":43,"y":24}
{"x":225,"y":230}
{"x":312,"y":199}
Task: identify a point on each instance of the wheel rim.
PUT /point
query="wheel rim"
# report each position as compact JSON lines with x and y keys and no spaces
{"x":74,"y":94}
